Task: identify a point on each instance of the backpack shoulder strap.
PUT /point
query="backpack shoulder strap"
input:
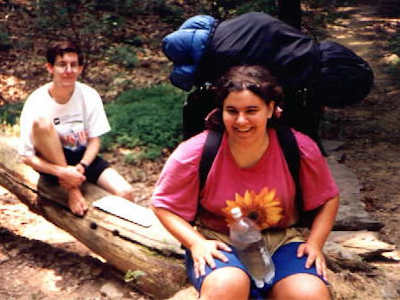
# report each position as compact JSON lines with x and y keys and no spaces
{"x":286,"y":140}
{"x":290,"y":149}
{"x":210,"y":150}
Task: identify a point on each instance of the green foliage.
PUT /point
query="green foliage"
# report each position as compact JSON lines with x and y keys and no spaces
{"x":393,"y":67}
{"x":123,"y":7}
{"x":5,"y":41}
{"x":267,"y":6}
{"x":223,"y":9}
{"x":394,"y":44}
{"x":124,"y":55}
{"x":133,"y":275}
{"x":168,"y":12}
{"x":84,"y":21}
{"x":148,"y":118}
{"x":9,"y":113}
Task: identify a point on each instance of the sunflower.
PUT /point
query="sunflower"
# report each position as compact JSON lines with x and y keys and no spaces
{"x":264,"y":209}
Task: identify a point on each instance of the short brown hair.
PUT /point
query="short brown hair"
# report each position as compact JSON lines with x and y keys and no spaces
{"x":60,"y":48}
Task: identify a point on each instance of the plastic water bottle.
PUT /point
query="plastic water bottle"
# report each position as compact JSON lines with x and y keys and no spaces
{"x":251,"y":248}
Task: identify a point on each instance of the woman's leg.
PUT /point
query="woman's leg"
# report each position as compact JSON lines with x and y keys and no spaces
{"x":300,"y":286}
{"x":228,"y":283}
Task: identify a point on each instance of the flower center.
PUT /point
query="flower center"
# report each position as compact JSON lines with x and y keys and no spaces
{"x":254,"y":215}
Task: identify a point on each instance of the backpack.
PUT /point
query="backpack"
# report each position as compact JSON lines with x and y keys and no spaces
{"x":194,"y":115}
{"x":312,"y":74}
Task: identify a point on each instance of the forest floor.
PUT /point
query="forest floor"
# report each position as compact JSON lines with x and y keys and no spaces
{"x":41,"y":262}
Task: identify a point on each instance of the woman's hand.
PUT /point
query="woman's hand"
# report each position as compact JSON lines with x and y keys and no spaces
{"x":319,"y":232}
{"x":314,"y":255}
{"x":204,"y":252}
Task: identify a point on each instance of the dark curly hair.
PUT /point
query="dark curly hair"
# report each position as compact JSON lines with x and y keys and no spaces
{"x":254,"y":78}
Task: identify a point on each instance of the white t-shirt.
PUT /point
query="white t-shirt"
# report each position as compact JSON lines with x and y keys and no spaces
{"x":82,"y":117}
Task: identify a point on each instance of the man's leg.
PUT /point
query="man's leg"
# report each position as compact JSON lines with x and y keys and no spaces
{"x":48,"y":146}
{"x":47,"y":143}
{"x":113,"y":182}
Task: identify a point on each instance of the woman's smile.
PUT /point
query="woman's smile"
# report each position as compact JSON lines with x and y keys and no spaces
{"x":246,"y":115}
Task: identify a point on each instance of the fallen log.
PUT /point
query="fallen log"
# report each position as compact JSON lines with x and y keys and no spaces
{"x":150,"y":255}
{"x":354,"y":223}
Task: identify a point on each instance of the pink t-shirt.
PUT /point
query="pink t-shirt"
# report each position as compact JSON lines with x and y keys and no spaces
{"x":178,"y":186}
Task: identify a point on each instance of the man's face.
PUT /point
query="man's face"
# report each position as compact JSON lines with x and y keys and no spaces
{"x":66,"y":69}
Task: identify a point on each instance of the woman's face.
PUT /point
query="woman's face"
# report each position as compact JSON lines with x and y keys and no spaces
{"x":245,"y":116}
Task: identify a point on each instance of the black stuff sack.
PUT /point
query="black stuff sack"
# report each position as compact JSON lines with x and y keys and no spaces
{"x":344,"y":77}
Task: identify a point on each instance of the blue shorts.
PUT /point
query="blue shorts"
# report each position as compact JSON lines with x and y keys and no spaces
{"x":286,"y":263}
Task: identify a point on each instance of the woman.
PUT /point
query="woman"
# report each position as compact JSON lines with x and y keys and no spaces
{"x":250,"y":168}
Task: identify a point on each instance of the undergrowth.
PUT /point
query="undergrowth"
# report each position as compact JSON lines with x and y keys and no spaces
{"x":393,"y":67}
{"x":147,"y":119}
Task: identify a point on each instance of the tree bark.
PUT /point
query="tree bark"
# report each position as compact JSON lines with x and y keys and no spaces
{"x":289,"y":11}
{"x":151,"y":254}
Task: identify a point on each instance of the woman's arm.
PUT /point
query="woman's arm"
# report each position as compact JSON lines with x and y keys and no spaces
{"x":203,"y":251}
{"x":319,"y":232}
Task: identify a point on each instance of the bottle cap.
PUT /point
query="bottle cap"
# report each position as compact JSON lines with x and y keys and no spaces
{"x":236,"y":212}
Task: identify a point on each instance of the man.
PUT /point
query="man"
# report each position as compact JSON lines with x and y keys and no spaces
{"x":61,"y":125}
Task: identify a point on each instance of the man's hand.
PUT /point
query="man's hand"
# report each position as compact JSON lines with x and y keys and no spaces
{"x":71,"y":177}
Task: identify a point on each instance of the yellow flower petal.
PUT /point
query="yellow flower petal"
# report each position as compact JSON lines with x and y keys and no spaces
{"x":265,"y":206}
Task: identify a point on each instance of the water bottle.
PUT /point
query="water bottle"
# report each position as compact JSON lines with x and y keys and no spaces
{"x":251,"y":248}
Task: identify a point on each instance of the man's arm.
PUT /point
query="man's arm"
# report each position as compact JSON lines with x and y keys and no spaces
{"x":92,"y":149}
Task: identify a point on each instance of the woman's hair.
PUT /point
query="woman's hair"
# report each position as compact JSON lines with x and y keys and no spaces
{"x":256,"y":79}
{"x":60,"y":48}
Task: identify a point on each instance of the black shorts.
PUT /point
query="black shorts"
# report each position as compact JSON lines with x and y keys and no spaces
{"x":93,"y":171}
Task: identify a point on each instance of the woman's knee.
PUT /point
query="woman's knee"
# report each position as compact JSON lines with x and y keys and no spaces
{"x":228,"y":283}
{"x":300,"y":286}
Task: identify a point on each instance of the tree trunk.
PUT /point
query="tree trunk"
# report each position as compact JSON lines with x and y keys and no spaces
{"x":289,"y":11}
{"x":151,"y":254}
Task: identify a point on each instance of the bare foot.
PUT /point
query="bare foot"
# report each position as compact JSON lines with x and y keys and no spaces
{"x":77,"y":202}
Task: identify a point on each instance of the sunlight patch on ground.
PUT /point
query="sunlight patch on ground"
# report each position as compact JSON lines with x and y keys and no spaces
{"x":19,"y":215}
{"x":346,"y":9}
{"x":11,"y":88}
{"x":3,"y":191}
{"x":50,"y":281}
{"x":391,"y":59}
{"x":360,"y":43}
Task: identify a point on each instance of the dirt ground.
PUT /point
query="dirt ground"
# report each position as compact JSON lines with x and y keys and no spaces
{"x":40,"y":261}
